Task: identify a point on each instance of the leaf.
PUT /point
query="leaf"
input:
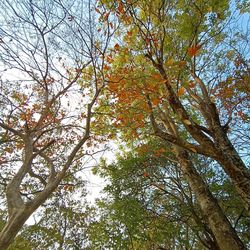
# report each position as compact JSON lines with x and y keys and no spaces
{"x":97,"y":10}
{"x":146,"y":174}
{"x":155,"y":101}
{"x":169,"y":62}
{"x":157,"y":76}
{"x":120,"y":8}
{"x":181,"y":91}
{"x":19,"y":145}
{"x":106,"y":16}
{"x":194,"y":150}
{"x":106,"y":67}
{"x":9,"y":150}
{"x":117,"y":46}
{"x":147,"y":40}
{"x":191,"y":84}
{"x":129,"y":33}
{"x":182,"y":64}
{"x":193,"y":51}
{"x":187,"y":122}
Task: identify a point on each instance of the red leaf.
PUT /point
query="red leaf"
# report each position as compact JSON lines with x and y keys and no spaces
{"x":191,"y":84}
{"x":120,"y":8}
{"x":193,"y":51}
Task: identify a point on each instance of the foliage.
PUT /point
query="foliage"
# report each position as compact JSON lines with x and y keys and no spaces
{"x":168,"y":80}
{"x":150,"y":199}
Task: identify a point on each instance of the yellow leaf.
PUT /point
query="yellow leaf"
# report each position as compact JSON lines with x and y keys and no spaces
{"x":9,"y":150}
{"x":194,"y":150}
{"x":181,"y":64}
{"x":187,"y":122}
{"x":169,"y":62}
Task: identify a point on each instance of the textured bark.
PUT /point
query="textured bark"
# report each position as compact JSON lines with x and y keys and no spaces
{"x":12,"y":227}
{"x":209,"y":240}
{"x":216,"y":145}
{"x":233,"y":165}
{"x":226,"y":236}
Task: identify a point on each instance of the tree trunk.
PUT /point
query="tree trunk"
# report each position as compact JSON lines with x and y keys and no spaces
{"x":19,"y":213}
{"x":233,"y":165}
{"x":13,"y":226}
{"x":226,"y":237}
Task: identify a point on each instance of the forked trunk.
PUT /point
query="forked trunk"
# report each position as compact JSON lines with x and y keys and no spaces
{"x":225,"y":235}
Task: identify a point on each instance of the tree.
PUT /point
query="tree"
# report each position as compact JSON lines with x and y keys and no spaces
{"x":176,"y":71}
{"x":61,"y":223}
{"x":163,"y":76}
{"x":184,"y":47}
{"x":52,"y":62}
{"x":150,"y":199}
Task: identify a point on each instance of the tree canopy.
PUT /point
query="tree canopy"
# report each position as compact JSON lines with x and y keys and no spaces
{"x":167,"y":81}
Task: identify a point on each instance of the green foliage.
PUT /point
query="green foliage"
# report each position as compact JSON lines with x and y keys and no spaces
{"x":149,"y":203}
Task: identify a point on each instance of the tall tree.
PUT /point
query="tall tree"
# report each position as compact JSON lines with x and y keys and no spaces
{"x":148,"y":196}
{"x":185,"y":45}
{"x":52,"y":62}
{"x":162,"y":75}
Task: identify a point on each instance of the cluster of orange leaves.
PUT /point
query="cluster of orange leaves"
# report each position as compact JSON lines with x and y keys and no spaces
{"x":132,"y":108}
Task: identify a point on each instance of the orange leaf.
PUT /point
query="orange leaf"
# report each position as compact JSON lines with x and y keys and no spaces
{"x":110,"y":59}
{"x":181,"y":64}
{"x":155,"y":101}
{"x":181,"y":91}
{"x":106,"y":67}
{"x":187,"y":122}
{"x":120,"y":8}
{"x":97,"y":10}
{"x":117,"y":46}
{"x":157,"y":76}
{"x":146,"y":174}
{"x":147,"y":40}
{"x":129,"y":33}
{"x":193,"y":51}
{"x":194,"y":150}
{"x":19,"y":145}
